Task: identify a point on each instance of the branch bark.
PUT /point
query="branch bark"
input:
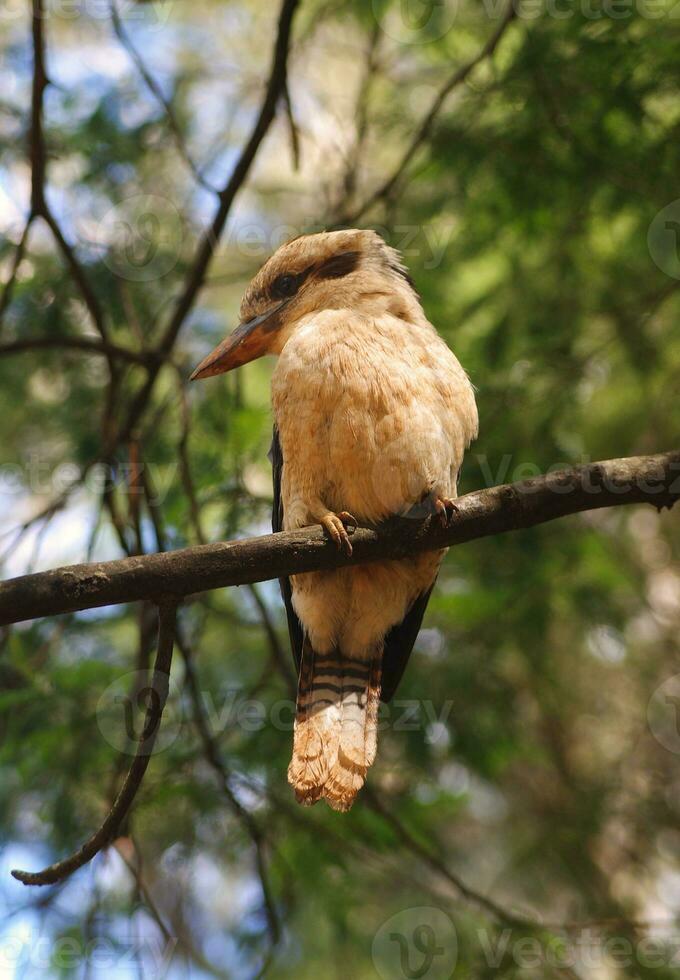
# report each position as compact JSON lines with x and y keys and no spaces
{"x":173,"y":575}
{"x":91,"y":345}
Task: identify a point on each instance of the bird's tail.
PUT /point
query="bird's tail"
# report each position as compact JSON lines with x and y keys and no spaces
{"x":336,"y":726}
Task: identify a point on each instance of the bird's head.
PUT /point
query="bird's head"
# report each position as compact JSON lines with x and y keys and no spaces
{"x":350,"y":269}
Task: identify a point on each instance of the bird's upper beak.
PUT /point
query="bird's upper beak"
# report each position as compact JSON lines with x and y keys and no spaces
{"x":248,"y":341}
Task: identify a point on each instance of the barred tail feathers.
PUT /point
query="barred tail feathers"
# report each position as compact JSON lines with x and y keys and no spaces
{"x":336,"y":726}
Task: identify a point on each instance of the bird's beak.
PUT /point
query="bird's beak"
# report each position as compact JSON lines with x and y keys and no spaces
{"x":249,"y":341}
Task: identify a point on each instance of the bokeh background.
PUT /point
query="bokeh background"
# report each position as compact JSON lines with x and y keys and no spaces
{"x":525,"y":806}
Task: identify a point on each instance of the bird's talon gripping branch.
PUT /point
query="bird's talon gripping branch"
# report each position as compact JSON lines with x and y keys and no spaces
{"x":339,"y":527}
{"x":446,"y":510}
{"x":350,"y":523}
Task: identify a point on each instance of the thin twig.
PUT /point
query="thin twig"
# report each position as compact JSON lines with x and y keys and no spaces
{"x":179,"y":939}
{"x":19,"y":252}
{"x":78,"y":273}
{"x":209,"y":744}
{"x":208,"y":243}
{"x":38,"y":158}
{"x":279,"y":656}
{"x":121,"y":806}
{"x":423,"y":131}
{"x":185,"y":466}
{"x":349,"y":178}
{"x":136,"y":871}
{"x":90,"y":345}
{"x":212,"y":756}
{"x":292,"y":128}
{"x":428,"y":857}
{"x":40,"y":208}
{"x":48,"y":511}
{"x":157,"y":93}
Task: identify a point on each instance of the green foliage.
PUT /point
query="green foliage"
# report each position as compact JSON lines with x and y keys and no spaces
{"x":526,"y":767}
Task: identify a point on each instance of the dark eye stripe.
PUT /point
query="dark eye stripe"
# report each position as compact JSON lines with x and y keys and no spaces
{"x":338,"y":265}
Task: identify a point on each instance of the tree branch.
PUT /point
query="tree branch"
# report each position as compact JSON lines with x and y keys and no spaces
{"x":196,"y":276}
{"x":38,"y":158}
{"x":108,"y":830}
{"x":78,"y":273}
{"x":88,"y":344}
{"x":19,"y":252}
{"x":634,"y":480}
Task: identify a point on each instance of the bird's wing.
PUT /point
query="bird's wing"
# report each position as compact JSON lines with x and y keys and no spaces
{"x":295,"y":630}
{"x":399,"y":644}
{"x":399,"y":640}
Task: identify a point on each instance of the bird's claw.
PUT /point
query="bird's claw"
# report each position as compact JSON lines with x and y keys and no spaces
{"x":446,"y":509}
{"x":349,"y":522}
{"x":339,"y":527}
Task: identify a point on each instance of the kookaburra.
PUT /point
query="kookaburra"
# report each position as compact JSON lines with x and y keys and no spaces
{"x":372,"y":414}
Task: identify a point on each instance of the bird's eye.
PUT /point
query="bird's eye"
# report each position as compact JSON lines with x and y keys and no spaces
{"x":284,"y":286}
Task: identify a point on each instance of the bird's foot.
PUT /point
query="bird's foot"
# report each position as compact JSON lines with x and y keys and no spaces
{"x":339,"y":527}
{"x":445,"y":509}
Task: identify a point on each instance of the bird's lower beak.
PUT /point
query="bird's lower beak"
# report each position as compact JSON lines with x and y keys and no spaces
{"x":249,"y":341}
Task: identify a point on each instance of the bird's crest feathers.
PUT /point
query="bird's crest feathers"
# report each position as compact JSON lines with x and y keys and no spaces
{"x":324,"y":259}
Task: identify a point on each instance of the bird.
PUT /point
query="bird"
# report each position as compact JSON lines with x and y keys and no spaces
{"x":372,"y":415}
